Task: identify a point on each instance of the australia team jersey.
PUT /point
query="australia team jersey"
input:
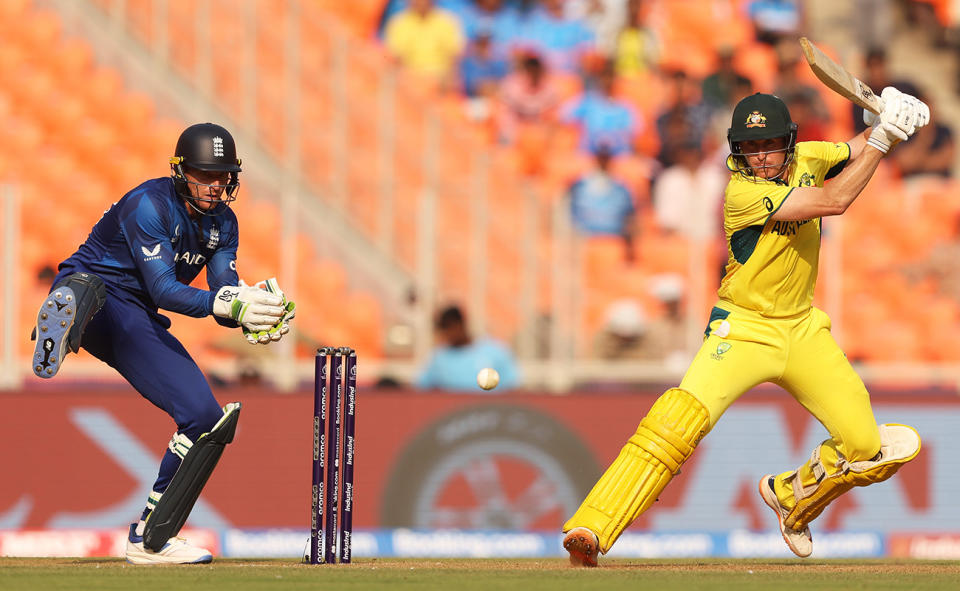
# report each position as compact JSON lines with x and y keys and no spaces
{"x":772,"y":265}
{"x":148,"y":245}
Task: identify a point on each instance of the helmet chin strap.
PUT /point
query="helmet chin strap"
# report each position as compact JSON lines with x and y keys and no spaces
{"x":218,"y":209}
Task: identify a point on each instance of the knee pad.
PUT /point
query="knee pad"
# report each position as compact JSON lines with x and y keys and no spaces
{"x":199,"y":458}
{"x":898,"y":445}
{"x":664,"y":440}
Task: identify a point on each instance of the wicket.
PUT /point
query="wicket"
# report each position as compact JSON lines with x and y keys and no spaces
{"x":330,"y":450}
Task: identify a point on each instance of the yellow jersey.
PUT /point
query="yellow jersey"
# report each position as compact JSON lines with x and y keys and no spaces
{"x":772,"y":265}
{"x":426,"y":45}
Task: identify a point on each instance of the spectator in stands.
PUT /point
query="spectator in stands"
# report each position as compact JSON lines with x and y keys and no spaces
{"x":455,"y":363}
{"x":775,"y":20}
{"x":719,"y":88}
{"x":600,"y":205}
{"x":425,"y":40}
{"x":561,"y":41}
{"x":684,"y":118}
{"x":528,"y":97}
{"x":930,"y":152}
{"x":494,"y":17}
{"x":873,"y":21}
{"x":876,"y":65}
{"x":481,"y":70}
{"x":604,"y":120}
{"x":622,"y":335}
{"x":605,"y":18}
{"x":459,"y":8}
{"x":637,"y":49}
{"x":687,"y":195}
{"x":629,"y":332}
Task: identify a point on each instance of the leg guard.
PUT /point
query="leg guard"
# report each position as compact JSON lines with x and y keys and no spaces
{"x":898,"y":445}
{"x":64,"y":315}
{"x":664,"y":440}
{"x":199,"y":460}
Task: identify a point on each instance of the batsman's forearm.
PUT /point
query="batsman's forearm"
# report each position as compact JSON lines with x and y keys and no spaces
{"x":847,"y":186}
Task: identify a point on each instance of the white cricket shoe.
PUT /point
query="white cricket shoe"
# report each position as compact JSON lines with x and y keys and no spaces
{"x":799,"y":542}
{"x":175,"y":551}
{"x":583,"y":545}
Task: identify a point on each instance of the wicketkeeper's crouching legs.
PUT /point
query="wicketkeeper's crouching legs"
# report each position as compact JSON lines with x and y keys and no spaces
{"x":169,"y":510}
{"x":664,"y":440}
{"x":199,"y":458}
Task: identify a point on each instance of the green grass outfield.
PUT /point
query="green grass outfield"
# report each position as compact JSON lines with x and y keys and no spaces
{"x":462,"y":575}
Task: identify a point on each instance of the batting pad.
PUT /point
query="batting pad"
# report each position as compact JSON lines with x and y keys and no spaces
{"x":664,"y":440}
{"x":898,"y":445}
{"x":198,"y":463}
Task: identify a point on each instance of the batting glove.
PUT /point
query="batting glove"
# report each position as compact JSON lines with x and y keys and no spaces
{"x":888,"y":93}
{"x":254,"y":308}
{"x":281,"y":327}
{"x":896,"y":122}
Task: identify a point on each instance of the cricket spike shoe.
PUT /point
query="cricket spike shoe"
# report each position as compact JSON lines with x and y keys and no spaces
{"x":799,"y":542}
{"x":54,"y":322}
{"x":62,"y":319}
{"x":175,"y":551}
{"x":583,"y":546}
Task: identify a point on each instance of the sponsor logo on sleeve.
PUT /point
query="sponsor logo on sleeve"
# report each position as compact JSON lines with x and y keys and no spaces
{"x":151,"y":254}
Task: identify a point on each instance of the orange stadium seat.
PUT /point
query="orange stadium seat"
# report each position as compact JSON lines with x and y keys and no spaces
{"x":12,"y":11}
{"x":758,"y":62}
{"x":101,"y":88}
{"x":22,"y":137}
{"x":40,"y":28}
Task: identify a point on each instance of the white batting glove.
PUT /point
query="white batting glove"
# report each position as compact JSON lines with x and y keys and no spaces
{"x":922,"y":110}
{"x":888,"y":93}
{"x":896,"y":122}
{"x":254,"y":308}
{"x":891,"y":94}
{"x":281,"y":327}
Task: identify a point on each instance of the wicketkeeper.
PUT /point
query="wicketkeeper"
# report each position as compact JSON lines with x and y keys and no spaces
{"x":141,"y":257}
{"x":764,"y":328}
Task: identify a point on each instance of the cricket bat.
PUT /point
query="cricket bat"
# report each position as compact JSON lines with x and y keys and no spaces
{"x":838,"y":79}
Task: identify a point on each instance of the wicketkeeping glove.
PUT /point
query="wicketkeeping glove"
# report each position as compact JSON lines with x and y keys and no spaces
{"x":254,"y":308}
{"x":281,"y":327}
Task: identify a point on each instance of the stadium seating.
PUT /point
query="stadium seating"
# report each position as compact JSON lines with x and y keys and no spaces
{"x":68,"y":117}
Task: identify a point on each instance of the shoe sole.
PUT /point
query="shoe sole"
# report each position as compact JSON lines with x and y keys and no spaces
{"x":582,"y":549}
{"x":139,"y":557}
{"x":54,"y":321}
{"x":140,"y":561}
{"x":770,"y":498}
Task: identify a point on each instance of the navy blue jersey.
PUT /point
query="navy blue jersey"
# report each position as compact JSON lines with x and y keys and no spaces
{"x":148,"y":245}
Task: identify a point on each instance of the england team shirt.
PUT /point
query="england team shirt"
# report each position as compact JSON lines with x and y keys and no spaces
{"x":148,"y":245}
{"x":772,"y":265}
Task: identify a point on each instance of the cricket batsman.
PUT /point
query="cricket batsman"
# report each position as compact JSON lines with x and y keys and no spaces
{"x":764,"y":328}
{"x":141,"y":256}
